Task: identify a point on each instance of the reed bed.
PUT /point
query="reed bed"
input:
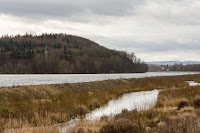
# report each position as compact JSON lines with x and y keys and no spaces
{"x":26,"y":107}
{"x":177,"y":111}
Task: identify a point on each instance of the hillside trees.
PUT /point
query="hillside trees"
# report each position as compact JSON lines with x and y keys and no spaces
{"x":66,"y":54}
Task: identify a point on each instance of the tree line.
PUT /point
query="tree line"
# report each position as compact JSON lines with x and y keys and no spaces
{"x":189,"y":67}
{"x":61,"y":53}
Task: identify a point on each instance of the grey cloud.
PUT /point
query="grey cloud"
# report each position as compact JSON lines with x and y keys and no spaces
{"x":142,"y":26}
{"x":167,"y":46}
{"x":68,"y":8}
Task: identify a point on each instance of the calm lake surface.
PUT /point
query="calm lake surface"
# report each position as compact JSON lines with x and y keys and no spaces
{"x":38,"y":79}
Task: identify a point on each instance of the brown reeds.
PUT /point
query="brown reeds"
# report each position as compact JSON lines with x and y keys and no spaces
{"x":35,"y":105}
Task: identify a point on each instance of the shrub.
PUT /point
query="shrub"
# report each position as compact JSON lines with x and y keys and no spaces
{"x":104,"y":118}
{"x":120,"y":126}
{"x":94,"y":105}
{"x":81,"y":111}
{"x":196,"y":102}
{"x":182,"y":104}
{"x":6,"y":111}
{"x":108,"y":128}
{"x":125,"y":111}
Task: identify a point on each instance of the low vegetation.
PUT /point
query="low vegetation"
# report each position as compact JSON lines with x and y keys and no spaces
{"x":121,"y":125}
{"x":42,"y":106}
{"x":177,"y":110}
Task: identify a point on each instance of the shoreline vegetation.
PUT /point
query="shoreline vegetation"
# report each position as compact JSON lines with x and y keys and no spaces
{"x":42,"y":106}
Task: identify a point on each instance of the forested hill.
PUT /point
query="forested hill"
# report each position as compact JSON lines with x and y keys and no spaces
{"x":60,"y":53}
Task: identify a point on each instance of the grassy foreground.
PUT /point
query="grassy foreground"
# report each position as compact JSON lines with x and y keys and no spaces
{"x":44,"y":105}
{"x":177,"y":111}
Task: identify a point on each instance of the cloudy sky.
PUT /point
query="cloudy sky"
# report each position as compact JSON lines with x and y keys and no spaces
{"x":156,"y":30}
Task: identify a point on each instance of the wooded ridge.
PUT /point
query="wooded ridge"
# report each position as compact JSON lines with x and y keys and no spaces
{"x":61,"y":53}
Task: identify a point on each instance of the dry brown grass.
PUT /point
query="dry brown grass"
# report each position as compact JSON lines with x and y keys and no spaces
{"x":176,"y":111}
{"x":183,"y":122}
{"x":87,"y":126}
{"x":23,"y":126}
{"x":121,"y":125}
{"x":28,"y":129}
{"x":45,"y":105}
{"x":196,"y":102}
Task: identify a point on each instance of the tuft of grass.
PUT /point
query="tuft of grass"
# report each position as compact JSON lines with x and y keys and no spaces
{"x":81,"y":111}
{"x":196,"y":102}
{"x":94,"y":104}
{"x":120,"y":126}
{"x":183,"y":103}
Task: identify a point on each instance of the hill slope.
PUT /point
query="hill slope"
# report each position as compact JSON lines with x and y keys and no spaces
{"x":64,"y":54}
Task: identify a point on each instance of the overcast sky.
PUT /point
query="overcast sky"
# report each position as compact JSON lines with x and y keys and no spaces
{"x":156,"y":30}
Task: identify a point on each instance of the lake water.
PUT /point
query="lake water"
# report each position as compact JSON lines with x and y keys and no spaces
{"x":37,"y":79}
{"x":137,"y":100}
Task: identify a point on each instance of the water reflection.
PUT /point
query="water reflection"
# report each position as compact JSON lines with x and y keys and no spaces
{"x":136,"y":100}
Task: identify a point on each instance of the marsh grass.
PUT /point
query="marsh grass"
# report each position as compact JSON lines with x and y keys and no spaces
{"x":119,"y":126}
{"x":177,"y":110}
{"x":196,"y":102}
{"x":171,"y":114}
{"x":45,"y":105}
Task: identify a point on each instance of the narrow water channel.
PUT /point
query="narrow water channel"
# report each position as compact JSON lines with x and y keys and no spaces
{"x":192,"y":83}
{"x":137,"y":100}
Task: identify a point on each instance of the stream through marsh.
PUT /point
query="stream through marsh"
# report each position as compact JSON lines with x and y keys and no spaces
{"x":143,"y":100}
